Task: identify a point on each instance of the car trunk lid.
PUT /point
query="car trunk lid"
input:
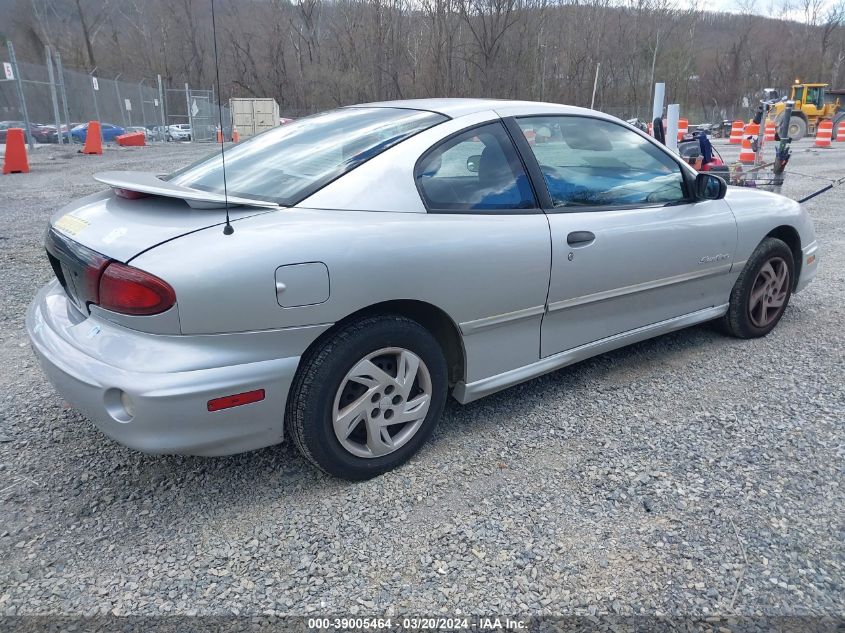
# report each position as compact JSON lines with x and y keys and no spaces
{"x":92,"y":231}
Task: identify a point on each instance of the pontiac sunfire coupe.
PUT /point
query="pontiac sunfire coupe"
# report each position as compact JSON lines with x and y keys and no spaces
{"x":383,"y":257}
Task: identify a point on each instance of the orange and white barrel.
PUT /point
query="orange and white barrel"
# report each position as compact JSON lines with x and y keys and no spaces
{"x":840,"y":132}
{"x":746,"y":154}
{"x":736,"y":133}
{"x":770,"y":131}
{"x":683,"y":128}
{"x":751,"y":129}
{"x":824,"y":134}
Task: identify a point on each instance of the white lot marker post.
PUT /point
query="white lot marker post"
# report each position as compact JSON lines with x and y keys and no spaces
{"x":657,"y":106}
{"x":673,"y":113}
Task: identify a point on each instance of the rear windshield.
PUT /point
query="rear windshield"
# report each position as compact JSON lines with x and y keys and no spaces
{"x":287,"y":164}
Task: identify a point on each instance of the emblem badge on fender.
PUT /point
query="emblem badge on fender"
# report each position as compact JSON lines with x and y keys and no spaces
{"x":709,"y":259}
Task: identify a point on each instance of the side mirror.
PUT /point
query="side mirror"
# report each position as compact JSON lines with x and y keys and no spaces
{"x":473,"y":162}
{"x":710,"y":187}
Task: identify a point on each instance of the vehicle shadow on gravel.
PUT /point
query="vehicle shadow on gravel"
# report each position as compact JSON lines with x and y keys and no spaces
{"x":606,"y":372}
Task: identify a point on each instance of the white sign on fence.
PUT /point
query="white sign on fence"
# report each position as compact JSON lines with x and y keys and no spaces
{"x":128,"y":105}
{"x":155,"y":102}
{"x":7,"y":68}
{"x":96,"y":84}
{"x":195,"y":109}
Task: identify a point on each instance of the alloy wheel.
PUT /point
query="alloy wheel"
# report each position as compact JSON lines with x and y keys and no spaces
{"x":769,"y":292}
{"x":382,"y":402}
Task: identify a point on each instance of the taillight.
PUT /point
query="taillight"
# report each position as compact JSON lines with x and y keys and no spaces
{"x":129,"y":290}
{"x":129,"y":194}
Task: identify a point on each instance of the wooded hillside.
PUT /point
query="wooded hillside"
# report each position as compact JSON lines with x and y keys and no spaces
{"x":314,"y":54}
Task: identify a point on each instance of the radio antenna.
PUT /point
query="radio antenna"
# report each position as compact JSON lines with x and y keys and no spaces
{"x":227,"y":230}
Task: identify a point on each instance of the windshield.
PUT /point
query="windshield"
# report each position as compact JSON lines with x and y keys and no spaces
{"x":287,"y":164}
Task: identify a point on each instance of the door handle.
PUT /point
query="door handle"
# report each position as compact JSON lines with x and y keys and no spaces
{"x":580,"y":238}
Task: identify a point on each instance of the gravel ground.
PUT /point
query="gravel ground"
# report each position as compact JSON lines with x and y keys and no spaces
{"x":692,"y":474}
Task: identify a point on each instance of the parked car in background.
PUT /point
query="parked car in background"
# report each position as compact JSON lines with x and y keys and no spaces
{"x":42,"y":133}
{"x":5,"y":125}
{"x":109,"y":132}
{"x":384,"y":256}
{"x":179,"y":132}
{"x":157,"y":132}
{"x":53,"y":136}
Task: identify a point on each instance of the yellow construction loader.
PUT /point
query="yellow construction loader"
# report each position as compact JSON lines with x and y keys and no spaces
{"x":813,"y":103}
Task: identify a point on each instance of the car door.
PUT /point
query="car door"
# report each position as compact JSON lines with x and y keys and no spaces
{"x":493,"y":240}
{"x":630,"y":246}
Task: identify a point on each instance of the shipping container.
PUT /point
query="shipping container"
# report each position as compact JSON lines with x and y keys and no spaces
{"x":253,"y":116}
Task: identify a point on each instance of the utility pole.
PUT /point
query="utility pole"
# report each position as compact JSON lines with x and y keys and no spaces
{"x":654,"y":63}
{"x":595,"y":85}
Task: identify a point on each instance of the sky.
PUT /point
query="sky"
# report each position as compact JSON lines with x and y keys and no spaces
{"x":784,"y":9}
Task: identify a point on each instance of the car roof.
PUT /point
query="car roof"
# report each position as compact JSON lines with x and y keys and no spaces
{"x":457,"y":107}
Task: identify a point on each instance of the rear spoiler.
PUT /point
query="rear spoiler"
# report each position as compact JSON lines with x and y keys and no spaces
{"x":151,"y":184}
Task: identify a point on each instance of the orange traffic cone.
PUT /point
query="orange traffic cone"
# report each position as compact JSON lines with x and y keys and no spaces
{"x":683,"y":128}
{"x":235,"y":136}
{"x":15,"y":161}
{"x":840,"y":132}
{"x":824,"y":134}
{"x":736,"y":132}
{"x":93,"y":140}
{"x":746,"y":154}
{"x":219,"y":135}
{"x":770,"y":131}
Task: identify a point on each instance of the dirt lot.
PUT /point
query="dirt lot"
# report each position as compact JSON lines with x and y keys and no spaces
{"x":690,"y":474}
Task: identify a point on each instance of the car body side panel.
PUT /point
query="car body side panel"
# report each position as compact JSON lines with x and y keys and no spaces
{"x":757,"y":214}
{"x":488,"y":273}
{"x":645,"y":266}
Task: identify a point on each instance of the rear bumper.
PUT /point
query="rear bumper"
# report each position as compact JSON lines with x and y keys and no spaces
{"x":168,"y":379}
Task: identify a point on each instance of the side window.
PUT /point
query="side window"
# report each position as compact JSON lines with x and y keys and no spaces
{"x":589,"y":162}
{"x":477,"y":169}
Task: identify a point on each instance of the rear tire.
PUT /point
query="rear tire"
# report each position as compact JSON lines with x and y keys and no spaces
{"x":762,"y":291}
{"x":367,"y":398}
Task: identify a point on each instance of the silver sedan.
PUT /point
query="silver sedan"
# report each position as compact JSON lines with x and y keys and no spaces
{"x":356,"y":267}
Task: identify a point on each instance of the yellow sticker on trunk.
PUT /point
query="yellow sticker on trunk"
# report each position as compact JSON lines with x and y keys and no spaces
{"x":70,"y":224}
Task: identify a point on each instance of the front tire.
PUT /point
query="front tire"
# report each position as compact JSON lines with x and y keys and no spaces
{"x":367,"y":398}
{"x":797,"y":128}
{"x":762,"y":291}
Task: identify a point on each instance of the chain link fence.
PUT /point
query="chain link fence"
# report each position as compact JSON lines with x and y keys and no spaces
{"x":44,"y":97}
